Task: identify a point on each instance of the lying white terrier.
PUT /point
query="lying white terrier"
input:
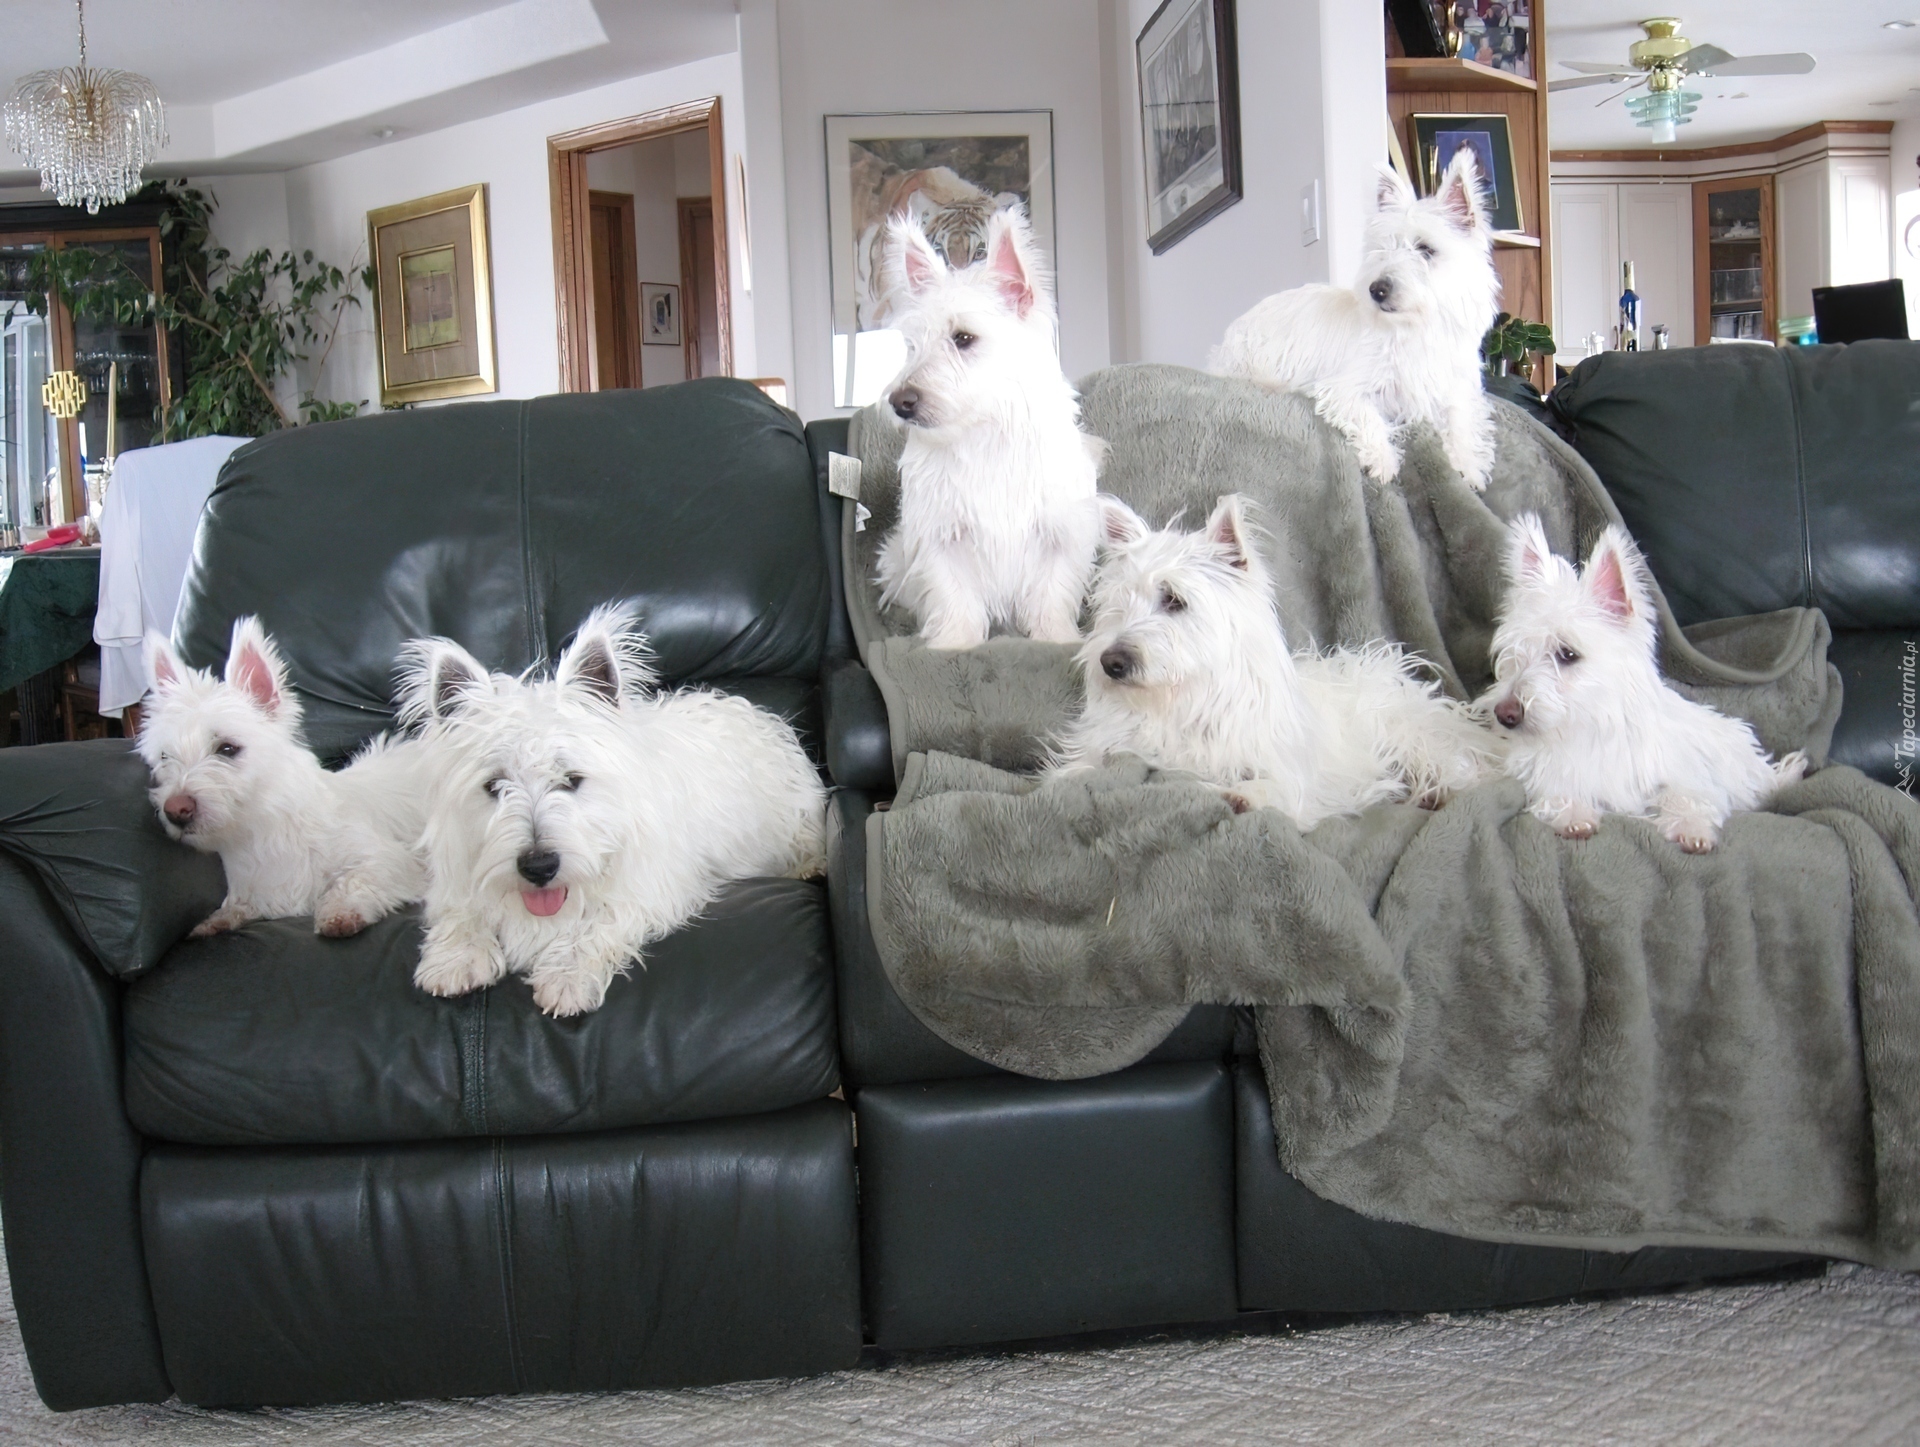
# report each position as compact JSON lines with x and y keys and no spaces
{"x":997,"y":519}
{"x":231,"y":776}
{"x":575,"y":819}
{"x":1187,"y":666}
{"x":1594,"y":730}
{"x":1403,"y":345}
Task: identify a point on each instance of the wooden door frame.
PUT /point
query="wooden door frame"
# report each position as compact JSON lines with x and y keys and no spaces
{"x":1703,"y":256}
{"x":628,"y":264}
{"x":684,"y":208}
{"x":572,"y":260}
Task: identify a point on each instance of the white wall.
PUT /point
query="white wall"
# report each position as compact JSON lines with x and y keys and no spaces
{"x":1803,"y":237}
{"x":1905,"y":211}
{"x":327,"y":205}
{"x":932,"y":55}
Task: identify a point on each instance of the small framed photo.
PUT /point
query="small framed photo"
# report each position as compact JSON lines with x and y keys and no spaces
{"x":660,"y":314}
{"x":433,"y":297}
{"x":1437,"y":137}
{"x":1189,"y":116}
{"x":948,"y":170}
{"x":1494,"y":33}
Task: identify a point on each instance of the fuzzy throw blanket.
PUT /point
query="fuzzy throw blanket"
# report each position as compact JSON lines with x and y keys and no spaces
{"x":1466,"y":1022}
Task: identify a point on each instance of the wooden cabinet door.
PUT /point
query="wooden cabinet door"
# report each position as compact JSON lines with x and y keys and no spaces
{"x":1733,"y":271}
{"x":1586,"y":266}
{"x":1656,"y":235}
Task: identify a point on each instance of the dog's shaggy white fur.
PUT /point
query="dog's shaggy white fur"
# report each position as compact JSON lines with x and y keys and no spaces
{"x":1403,"y":344}
{"x":572,"y":820}
{"x":997,"y":518}
{"x":1594,"y":729}
{"x":232,"y":776}
{"x":1187,"y":667}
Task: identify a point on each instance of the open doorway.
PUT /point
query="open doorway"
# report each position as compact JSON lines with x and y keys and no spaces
{"x":640,"y":250}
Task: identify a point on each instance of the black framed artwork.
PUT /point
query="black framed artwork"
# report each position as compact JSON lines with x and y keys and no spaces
{"x":1189,"y":116}
{"x":1437,"y":137}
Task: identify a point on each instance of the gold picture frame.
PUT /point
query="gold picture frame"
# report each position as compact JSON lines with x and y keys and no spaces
{"x":433,"y":299}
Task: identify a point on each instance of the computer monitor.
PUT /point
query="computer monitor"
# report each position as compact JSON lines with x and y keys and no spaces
{"x":1858,"y":313}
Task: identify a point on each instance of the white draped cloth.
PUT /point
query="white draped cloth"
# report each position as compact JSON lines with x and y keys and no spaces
{"x":146,"y":541}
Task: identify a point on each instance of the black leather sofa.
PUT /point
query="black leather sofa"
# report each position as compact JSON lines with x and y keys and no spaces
{"x":264,"y":1169}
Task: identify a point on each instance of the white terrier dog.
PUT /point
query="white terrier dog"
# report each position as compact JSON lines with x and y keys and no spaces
{"x":997,"y":518}
{"x":1593,"y":728}
{"x":1402,"y":346}
{"x":231,"y":776}
{"x":1187,"y":666}
{"x":575,"y":819}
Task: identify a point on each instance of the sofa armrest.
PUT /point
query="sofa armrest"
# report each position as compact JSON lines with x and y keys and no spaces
{"x":859,"y":737}
{"x":77,"y":818}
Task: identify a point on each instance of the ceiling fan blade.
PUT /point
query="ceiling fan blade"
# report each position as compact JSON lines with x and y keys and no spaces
{"x":1704,"y":57}
{"x":1798,"y":63}
{"x":1617,"y":94}
{"x":1594,"y":67}
{"x":1575,"y":82}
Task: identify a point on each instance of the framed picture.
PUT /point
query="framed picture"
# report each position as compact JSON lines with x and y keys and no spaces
{"x":1418,"y":25}
{"x":659,"y":314}
{"x":1437,"y":137}
{"x":948,"y":170}
{"x":1189,"y":116}
{"x":1493,"y":33}
{"x":434,"y":297}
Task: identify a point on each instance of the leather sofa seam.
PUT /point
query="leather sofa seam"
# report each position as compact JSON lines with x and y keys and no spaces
{"x":1800,"y":483}
{"x":503,"y":1224}
{"x":536,"y":618}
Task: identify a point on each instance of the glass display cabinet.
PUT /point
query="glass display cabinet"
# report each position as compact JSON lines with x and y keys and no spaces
{"x":1733,"y":287}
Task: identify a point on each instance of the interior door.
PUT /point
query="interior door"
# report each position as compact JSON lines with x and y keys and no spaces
{"x":700,"y":309}
{"x":1586,"y":267}
{"x":616,"y":303}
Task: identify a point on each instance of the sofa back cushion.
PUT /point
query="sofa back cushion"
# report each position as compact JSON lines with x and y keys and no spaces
{"x":1758,"y":478}
{"x":500,"y":524}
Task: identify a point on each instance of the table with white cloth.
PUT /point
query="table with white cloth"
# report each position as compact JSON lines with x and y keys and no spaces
{"x":146,"y":542}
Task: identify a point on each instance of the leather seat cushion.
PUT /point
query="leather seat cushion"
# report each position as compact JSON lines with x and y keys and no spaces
{"x":1758,"y":478}
{"x":1879,"y":728}
{"x":271,"y":1035}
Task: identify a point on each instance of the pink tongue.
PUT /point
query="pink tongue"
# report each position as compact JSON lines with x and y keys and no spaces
{"x":544,"y":901}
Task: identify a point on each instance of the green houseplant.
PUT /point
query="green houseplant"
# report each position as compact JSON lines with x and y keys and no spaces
{"x":1510,"y":341}
{"x":242,"y":324}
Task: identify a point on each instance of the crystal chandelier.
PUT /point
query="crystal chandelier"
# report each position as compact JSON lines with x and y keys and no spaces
{"x":88,"y":132}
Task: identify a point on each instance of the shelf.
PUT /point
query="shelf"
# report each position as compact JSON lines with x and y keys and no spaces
{"x":1406,"y":73}
{"x":1518,"y":239}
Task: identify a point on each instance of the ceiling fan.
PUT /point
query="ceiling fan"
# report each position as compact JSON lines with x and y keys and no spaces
{"x":1661,"y":63}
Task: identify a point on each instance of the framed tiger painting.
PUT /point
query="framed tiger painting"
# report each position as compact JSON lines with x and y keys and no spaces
{"x":949,"y":171}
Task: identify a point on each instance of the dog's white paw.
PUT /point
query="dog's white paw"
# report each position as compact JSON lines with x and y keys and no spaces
{"x":569,"y":992}
{"x":339,"y":915}
{"x":955,"y":637}
{"x":448,"y":968}
{"x":1693,"y":835}
{"x":1570,"y":819}
{"x":1790,"y":769}
{"x":227,"y":917}
{"x":1380,"y":461}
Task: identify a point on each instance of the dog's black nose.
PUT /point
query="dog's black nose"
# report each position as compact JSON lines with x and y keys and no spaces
{"x":1509,"y":712}
{"x":538,"y":867}
{"x":905,"y":401}
{"x":1380,"y":291}
{"x":180,"y":809}
{"x":1118,"y":661}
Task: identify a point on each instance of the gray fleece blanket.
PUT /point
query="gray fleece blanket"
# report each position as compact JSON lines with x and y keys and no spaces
{"x":1466,"y":1022}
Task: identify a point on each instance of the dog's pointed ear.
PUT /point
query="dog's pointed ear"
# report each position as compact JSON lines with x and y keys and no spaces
{"x":1614,"y":578}
{"x":163,"y":664}
{"x":607,"y":659}
{"x":1120,"y":525}
{"x":910,"y":261}
{"x":1010,"y":260}
{"x":254,"y":666}
{"x":438,"y":678}
{"x":1529,"y":555}
{"x":1392,"y":188}
{"x":1462,"y":201}
{"x":1227,"y":531}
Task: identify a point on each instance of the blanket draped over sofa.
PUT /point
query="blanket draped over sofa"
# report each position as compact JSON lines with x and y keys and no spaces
{"x":1466,"y":1023}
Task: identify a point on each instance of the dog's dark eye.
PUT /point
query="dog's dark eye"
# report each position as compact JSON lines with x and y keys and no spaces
{"x":1565,"y":656}
{"x":572,"y":781}
{"x":963,"y":340}
{"x":494,"y":785}
{"x":1426,"y":251}
{"x":228,"y":750}
{"x":1172,"y":602}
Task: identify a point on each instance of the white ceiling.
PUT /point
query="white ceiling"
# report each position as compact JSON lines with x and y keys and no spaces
{"x":1859,"y":63}
{"x":266,"y":84}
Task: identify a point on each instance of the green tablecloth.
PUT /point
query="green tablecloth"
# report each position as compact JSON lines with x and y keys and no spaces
{"x":47,"y":602}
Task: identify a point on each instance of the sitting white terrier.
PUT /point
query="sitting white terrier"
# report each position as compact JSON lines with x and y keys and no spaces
{"x":1593,"y":728}
{"x":997,"y":518}
{"x":1403,"y":345}
{"x":575,"y":819}
{"x":232,"y":776}
{"x":1187,"y":666}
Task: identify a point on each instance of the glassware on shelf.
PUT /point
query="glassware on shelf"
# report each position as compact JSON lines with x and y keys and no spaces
{"x":1735,"y":284}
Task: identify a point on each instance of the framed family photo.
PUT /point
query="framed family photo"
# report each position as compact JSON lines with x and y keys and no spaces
{"x":659,"y":314}
{"x":1437,"y":137}
{"x":948,"y":170}
{"x":1189,"y":116}
{"x":433,"y":297}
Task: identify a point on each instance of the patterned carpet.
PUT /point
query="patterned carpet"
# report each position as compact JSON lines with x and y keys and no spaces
{"x":1833,"y":1359}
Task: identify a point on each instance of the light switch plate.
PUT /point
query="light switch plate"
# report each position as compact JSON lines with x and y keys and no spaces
{"x":1310,"y":213}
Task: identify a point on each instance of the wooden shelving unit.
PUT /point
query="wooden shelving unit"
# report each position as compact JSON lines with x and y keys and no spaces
{"x":1408,"y":73}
